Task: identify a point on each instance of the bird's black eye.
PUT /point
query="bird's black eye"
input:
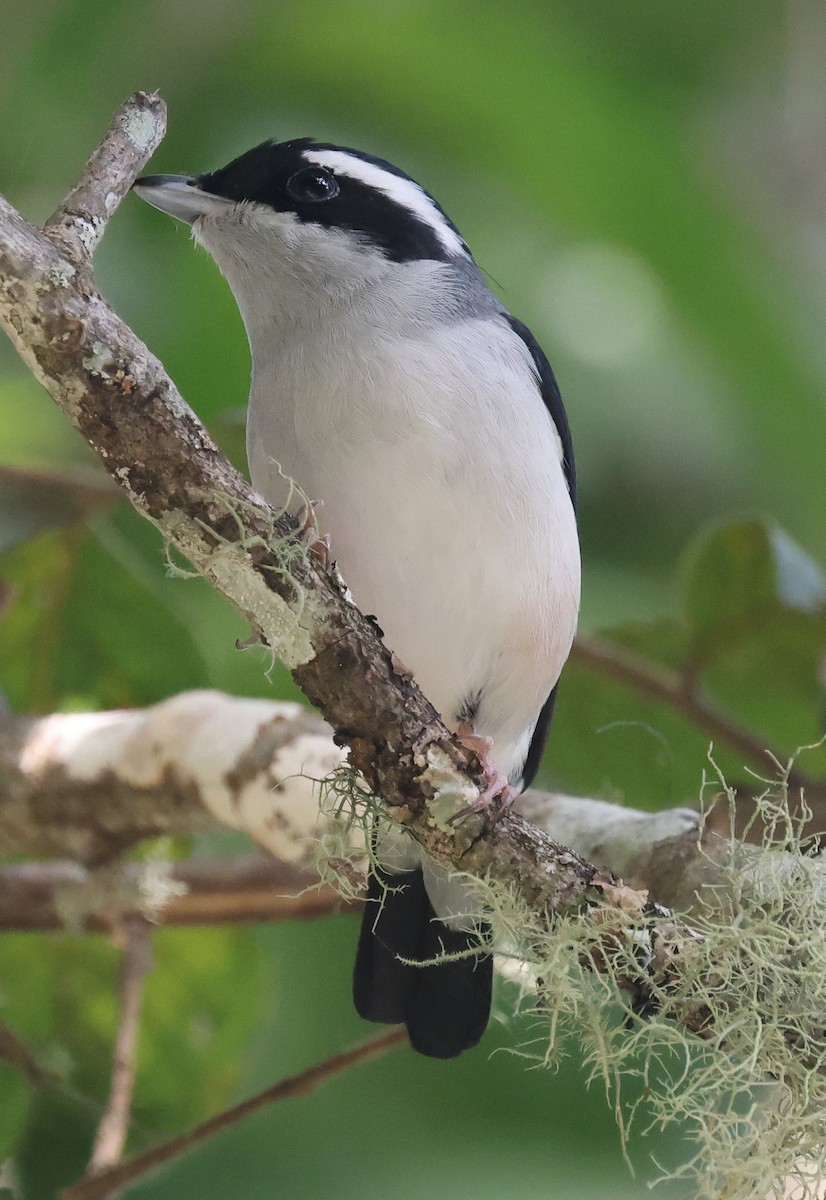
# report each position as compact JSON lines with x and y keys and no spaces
{"x":312,"y":184}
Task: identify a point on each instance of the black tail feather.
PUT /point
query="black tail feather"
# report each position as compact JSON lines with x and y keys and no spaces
{"x":391,"y":927}
{"x":445,"y":1006}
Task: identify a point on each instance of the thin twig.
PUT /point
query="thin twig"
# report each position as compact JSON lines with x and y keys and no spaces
{"x":114,"y":1179}
{"x":110,"y":1137}
{"x":54,"y":895}
{"x":133,"y":136}
{"x":668,"y":687}
{"x":16,"y":1053}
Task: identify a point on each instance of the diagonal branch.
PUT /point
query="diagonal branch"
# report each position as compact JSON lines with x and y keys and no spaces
{"x":117,"y":394}
{"x":671,"y":688}
{"x":119,"y":397}
{"x":112,"y":1180}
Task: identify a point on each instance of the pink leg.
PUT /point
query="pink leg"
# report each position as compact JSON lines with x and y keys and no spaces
{"x":319,"y":546}
{"x":498,"y":795}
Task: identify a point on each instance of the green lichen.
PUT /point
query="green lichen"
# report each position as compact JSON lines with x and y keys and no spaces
{"x":452,"y":795}
{"x":227,"y":566}
{"x":141,"y":127}
{"x":750,"y":1094}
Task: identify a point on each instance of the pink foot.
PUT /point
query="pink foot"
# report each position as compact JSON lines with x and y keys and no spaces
{"x":498,"y":796}
{"x":318,"y":544}
{"x":254,"y":639}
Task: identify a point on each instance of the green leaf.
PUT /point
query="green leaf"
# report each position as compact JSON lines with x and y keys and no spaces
{"x":37,"y":575}
{"x":611,"y":740}
{"x":756,"y":616}
{"x":751,"y":645}
{"x":124,"y":643}
{"x":742,"y":577}
{"x":25,"y":1007}
{"x":15,"y":1100}
{"x":204,"y":1001}
{"x":92,"y":623}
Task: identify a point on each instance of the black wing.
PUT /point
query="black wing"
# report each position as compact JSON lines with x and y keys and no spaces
{"x":549,"y":390}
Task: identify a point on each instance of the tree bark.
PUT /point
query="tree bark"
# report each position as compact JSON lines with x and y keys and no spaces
{"x":117,"y":394}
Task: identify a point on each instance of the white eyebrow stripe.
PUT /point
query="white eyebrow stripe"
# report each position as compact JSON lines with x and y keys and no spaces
{"x":396,"y":187}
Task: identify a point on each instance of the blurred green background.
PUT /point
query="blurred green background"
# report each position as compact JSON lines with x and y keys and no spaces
{"x":645,"y":184}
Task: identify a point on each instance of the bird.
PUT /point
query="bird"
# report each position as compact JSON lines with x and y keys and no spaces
{"x":394,"y":386}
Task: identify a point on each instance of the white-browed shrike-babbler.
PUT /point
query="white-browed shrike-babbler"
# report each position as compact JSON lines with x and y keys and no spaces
{"x":391,"y":384}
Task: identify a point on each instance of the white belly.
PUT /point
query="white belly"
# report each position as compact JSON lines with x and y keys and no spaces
{"x":449,"y":518}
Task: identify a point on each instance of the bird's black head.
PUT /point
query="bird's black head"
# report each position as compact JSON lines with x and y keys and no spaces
{"x":340,"y":188}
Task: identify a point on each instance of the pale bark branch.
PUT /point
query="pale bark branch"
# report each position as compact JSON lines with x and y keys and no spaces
{"x":203,"y":760}
{"x":89,"y":785}
{"x":100,"y":783}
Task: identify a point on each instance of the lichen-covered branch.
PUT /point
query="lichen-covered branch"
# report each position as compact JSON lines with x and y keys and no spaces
{"x":119,"y":397}
{"x":90,"y":785}
{"x":134,"y":135}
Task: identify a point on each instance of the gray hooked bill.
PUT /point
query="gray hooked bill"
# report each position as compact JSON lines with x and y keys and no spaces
{"x":178,"y":195}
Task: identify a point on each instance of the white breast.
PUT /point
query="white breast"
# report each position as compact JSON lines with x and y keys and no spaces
{"x":444,"y":498}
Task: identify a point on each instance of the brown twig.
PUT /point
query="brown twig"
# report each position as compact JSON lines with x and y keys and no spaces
{"x":15,"y":1052}
{"x":670,"y":688}
{"x":110,"y":1136}
{"x":52,"y":895}
{"x":114,"y":1179}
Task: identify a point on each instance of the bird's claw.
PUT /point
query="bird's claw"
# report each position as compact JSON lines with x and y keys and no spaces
{"x":317,"y":544}
{"x":498,"y":796}
{"x":254,"y":639}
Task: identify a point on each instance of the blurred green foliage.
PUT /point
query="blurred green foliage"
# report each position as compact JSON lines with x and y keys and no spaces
{"x":642,"y":180}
